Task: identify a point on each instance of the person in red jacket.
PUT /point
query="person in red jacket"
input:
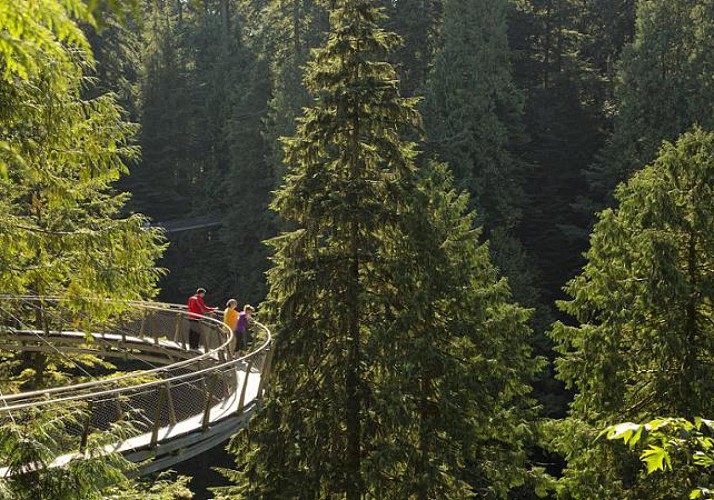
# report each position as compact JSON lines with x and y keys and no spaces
{"x":197,"y":308}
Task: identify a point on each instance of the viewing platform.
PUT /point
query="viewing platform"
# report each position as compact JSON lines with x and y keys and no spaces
{"x":170,"y":401}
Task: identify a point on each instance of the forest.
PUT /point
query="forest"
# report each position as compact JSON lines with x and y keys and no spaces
{"x":481,"y":231}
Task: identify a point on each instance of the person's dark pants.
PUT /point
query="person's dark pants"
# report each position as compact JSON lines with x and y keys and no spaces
{"x":243,"y":338}
{"x":194,"y":334}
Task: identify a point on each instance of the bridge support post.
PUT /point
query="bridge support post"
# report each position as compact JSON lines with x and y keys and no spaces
{"x":161,"y":390}
{"x":143,"y":324}
{"x":170,"y":402}
{"x":117,"y":404}
{"x":213,"y":380}
{"x":85,"y":427}
{"x":241,"y":401}
{"x":177,"y":330}
{"x":265,"y":372}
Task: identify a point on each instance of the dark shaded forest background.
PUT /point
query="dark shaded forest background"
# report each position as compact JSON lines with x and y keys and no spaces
{"x":214,"y":84}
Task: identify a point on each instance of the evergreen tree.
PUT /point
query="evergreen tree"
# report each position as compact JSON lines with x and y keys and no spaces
{"x":349,"y":167}
{"x":564,"y":127}
{"x":30,"y":443}
{"x":642,"y":345}
{"x":473,"y":112}
{"x":116,"y":48}
{"x":297,"y":27}
{"x":417,"y":22}
{"x":473,"y":122}
{"x":62,"y":232}
{"x":665,"y":87}
{"x":385,"y":305}
{"x":452,"y":359}
{"x":249,"y":180}
{"x":182,"y":98}
{"x":192,"y":62}
{"x":605,"y":28}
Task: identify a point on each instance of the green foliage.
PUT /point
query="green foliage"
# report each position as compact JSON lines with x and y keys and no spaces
{"x":249,"y":182}
{"x":665,"y":87}
{"x":642,"y":304}
{"x":689,"y":445}
{"x":400,"y":361}
{"x":474,"y":120}
{"x":181,"y":96}
{"x":62,"y":232}
{"x":452,"y":359}
{"x":205,"y":91}
{"x":165,"y":486}
{"x":33,"y":33}
{"x":417,"y":22}
{"x":30,"y":450}
{"x":295,"y":28}
{"x":564,"y":120}
{"x":473,"y":113}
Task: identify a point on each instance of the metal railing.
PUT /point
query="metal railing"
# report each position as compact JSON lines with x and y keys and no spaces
{"x":168,"y":390}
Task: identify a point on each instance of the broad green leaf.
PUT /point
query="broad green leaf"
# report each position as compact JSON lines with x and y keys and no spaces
{"x":654,"y":457}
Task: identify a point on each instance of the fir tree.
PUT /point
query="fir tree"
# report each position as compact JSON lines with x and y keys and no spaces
{"x":642,"y":345}
{"x":384,"y":303}
{"x":452,"y":359}
{"x":249,"y":179}
{"x":563,"y":126}
{"x":63,"y":232}
{"x":417,"y":22}
{"x":473,"y":123}
{"x":297,"y":27}
{"x":61,"y":228}
{"x":473,"y":112}
{"x":665,"y":87}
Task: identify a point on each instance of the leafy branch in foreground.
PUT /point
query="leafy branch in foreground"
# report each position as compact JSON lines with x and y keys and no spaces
{"x":671,"y":443}
{"x":35,"y":464}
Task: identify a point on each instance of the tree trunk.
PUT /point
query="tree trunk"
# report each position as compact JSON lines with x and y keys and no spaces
{"x":353,"y":406}
{"x":423,"y":462}
{"x":225,"y":19}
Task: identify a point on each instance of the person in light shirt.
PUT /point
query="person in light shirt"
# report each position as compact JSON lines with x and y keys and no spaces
{"x":230,"y":318}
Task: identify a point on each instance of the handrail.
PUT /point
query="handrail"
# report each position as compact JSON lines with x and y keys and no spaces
{"x":113,"y":380}
{"x":144,"y":385}
{"x":197,"y":395}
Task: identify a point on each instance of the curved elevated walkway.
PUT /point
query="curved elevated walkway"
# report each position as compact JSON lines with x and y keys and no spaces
{"x":181,"y":403}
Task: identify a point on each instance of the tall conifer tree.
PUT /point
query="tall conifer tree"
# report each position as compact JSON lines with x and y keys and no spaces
{"x":249,"y":179}
{"x":61,"y":228}
{"x":391,"y":324}
{"x":417,"y":22}
{"x":285,"y":32}
{"x":473,"y":118}
{"x":473,"y":112}
{"x":665,"y":87}
{"x":644,"y":340}
{"x":63,"y":232}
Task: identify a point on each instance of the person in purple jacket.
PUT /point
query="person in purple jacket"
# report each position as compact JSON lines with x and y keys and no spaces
{"x":244,"y":320}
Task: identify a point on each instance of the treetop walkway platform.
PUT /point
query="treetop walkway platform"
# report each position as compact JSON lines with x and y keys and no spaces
{"x":171,"y":404}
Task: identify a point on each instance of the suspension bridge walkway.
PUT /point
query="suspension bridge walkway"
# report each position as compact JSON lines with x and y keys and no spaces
{"x":189,"y":224}
{"x":172,"y":402}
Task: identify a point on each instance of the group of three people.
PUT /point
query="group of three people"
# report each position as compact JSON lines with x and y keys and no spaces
{"x":237,"y":321}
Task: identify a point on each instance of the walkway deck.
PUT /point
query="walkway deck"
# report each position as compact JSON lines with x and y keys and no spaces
{"x":188,"y":401}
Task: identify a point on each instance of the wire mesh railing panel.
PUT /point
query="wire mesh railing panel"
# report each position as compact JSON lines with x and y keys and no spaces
{"x":184,"y":386}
